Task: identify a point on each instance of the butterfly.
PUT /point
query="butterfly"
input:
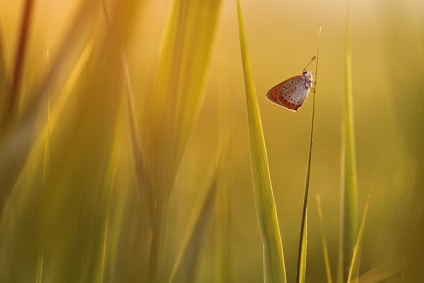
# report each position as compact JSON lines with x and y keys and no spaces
{"x":292,"y":92}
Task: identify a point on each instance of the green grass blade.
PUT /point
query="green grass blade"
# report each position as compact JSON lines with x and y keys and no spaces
{"x":301,"y":271}
{"x":354,"y":266}
{"x":177,"y":99}
{"x":348,"y":215}
{"x":274,"y":269}
{"x":324,"y":242}
{"x":301,"y":264}
{"x":179,"y":86}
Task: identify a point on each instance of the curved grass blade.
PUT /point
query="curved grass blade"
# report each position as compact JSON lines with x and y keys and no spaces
{"x":354,"y":266}
{"x":274,"y":269}
{"x":301,"y":264}
{"x":348,"y":205}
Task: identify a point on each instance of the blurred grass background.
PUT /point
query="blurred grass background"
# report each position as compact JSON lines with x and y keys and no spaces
{"x":89,"y":190}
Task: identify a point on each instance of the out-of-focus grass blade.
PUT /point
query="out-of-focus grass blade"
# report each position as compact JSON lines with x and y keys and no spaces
{"x":324,"y":242}
{"x":134,"y":131}
{"x":72,"y":46}
{"x":184,"y":268}
{"x":176,"y":102}
{"x":348,"y":204}
{"x":354,"y":266}
{"x":274,"y":269}
{"x":384,"y":271}
{"x":140,"y":168}
{"x":179,"y":86}
{"x":13,"y":95}
{"x":27,"y":128}
{"x":39,"y":276}
{"x":46,"y":160}
{"x":42,"y":137}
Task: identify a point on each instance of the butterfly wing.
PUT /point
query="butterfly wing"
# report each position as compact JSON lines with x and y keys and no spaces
{"x":292,"y":92}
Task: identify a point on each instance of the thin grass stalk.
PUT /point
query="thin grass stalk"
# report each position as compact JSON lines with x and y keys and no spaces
{"x":274,"y":268}
{"x":135,"y":135}
{"x":354,"y":266}
{"x":348,"y":199}
{"x":140,"y":168}
{"x":324,"y":242}
{"x":40,"y":266}
{"x":302,"y":248}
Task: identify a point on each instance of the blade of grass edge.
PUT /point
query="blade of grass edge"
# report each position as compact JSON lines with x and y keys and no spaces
{"x":348,"y":198}
{"x":301,"y":263}
{"x":324,"y":242}
{"x":354,"y":267}
{"x":274,"y":269}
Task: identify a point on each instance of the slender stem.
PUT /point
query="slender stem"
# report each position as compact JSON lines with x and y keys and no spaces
{"x":308,"y":174}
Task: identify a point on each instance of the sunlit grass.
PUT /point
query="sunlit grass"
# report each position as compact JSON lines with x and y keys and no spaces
{"x":274,"y":268}
{"x":113,"y":169}
{"x":348,"y":199}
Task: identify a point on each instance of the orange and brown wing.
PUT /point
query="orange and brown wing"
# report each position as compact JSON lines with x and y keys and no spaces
{"x":274,"y":96}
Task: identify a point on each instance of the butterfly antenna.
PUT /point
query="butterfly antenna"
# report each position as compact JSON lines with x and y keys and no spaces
{"x":312,"y":60}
